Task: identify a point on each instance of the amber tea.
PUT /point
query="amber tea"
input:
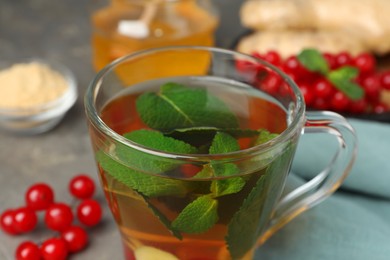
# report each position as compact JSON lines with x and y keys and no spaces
{"x":207,"y":208}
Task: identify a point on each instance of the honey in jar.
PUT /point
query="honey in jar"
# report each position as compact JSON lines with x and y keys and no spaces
{"x":118,"y":29}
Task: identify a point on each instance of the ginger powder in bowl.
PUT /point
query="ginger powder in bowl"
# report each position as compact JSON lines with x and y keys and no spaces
{"x":35,"y":96}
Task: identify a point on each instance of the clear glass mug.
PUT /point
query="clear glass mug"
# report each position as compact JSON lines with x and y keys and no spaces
{"x":163,"y":206}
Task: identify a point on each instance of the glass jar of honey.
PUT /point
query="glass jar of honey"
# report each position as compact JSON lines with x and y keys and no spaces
{"x":126,"y":26}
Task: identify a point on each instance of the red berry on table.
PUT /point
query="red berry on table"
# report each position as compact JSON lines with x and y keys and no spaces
{"x":323,"y":88}
{"x":82,"y":187}
{"x":58,"y":217}
{"x":25,"y":220}
{"x":365,"y":62}
{"x":39,"y":196}
{"x":76,"y":238}
{"x":54,"y":249}
{"x":343,"y":59}
{"x":8,"y":222}
{"x":28,"y":251}
{"x":385,"y":80}
{"x":89,"y":212}
{"x":339,"y":101}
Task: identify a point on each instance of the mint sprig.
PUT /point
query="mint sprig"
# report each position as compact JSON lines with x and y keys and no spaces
{"x":198,"y":216}
{"x":250,"y":221}
{"x":341,"y":78}
{"x":178,"y":115}
{"x":148,"y":185}
{"x":177,"y":106}
{"x":206,"y":208}
{"x":242,"y":228}
{"x":313,"y":60}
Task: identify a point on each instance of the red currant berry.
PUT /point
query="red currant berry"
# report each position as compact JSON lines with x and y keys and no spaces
{"x":271,"y":83}
{"x":343,"y":59}
{"x":82,"y":187}
{"x":39,"y":196}
{"x":331,"y":60}
{"x":307,"y":93}
{"x":285,"y":90}
{"x":89,"y":212}
{"x":76,"y":238}
{"x":54,"y":249}
{"x":273,"y":57}
{"x":385,"y":80}
{"x":358,"y":106}
{"x":320,"y":104}
{"x":246,"y":66}
{"x":27,"y":251}
{"x":293,"y":66}
{"x":371,"y":86}
{"x":25,"y":220}
{"x":339,"y":101}
{"x":58,"y":216}
{"x":292,"y":77}
{"x":8,"y":222}
{"x":323,"y":89}
{"x":365,"y":62}
{"x":380,"y":108}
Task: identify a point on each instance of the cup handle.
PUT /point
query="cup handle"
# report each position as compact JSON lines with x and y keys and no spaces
{"x":328,"y":180}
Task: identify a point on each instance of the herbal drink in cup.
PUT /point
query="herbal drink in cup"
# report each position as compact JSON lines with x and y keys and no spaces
{"x":193,"y":163}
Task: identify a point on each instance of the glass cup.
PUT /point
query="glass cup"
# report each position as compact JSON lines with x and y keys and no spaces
{"x":223,"y":197}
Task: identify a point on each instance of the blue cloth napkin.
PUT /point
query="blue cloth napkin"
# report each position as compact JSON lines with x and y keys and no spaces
{"x":354,"y":223}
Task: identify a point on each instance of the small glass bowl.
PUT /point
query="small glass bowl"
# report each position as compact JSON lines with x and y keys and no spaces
{"x":42,"y":118}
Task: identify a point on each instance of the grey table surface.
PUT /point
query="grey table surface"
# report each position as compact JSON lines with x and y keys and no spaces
{"x":60,"y":30}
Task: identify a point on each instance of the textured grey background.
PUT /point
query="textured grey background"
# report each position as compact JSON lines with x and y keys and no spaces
{"x":60,"y":30}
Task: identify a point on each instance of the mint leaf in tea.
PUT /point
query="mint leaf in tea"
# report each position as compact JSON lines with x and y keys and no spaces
{"x":207,"y":196}
{"x":176,"y":106}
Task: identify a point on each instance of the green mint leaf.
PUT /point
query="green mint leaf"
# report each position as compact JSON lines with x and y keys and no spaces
{"x":346,"y":72}
{"x":275,"y":173}
{"x":264,"y":137}
{"x":154,"y":140}
{"x":198,"y":216}
{"x":341,"y":79}
{"x":163,"y":219}
{"x":313,"y":60}
{"x":227,"y":186}
{"x":148,"y":185}
{"x":242,"y":228}
{"x":236,"y":132}
{"x":205,"y":173}
{"x":251,"y":220}
{"x":137,"y":173}
{"x":203,"y":136}
{"x":224,"y":143}
{"x":177,"y":106}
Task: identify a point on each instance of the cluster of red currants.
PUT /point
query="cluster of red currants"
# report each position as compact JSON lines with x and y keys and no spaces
{"x":319,"y":93}
{"x":58,"y":217}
